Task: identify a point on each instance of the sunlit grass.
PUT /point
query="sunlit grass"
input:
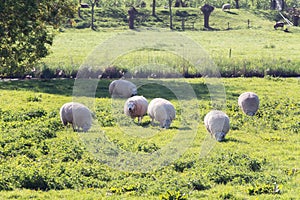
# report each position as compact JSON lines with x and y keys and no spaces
{"x":257,"y":50}
{"x":259,"y":152}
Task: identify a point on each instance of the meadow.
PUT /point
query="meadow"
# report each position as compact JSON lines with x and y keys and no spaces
{"x":41,"y":159}
{"x":237,"y":49}
{"x":119,"y":159}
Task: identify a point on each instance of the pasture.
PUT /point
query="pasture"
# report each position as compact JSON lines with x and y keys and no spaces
{"x":41,"y":159}
{"x":118,"y":159}
{"x":238,"y":51}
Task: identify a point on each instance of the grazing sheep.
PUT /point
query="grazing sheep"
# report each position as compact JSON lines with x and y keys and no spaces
{"x":122,"y":89}
{"x":76,"y":114}
{"x":226,"y":6}
{"x":161,"y":110}
{"x":136,"y":106}
{"x":249,"y":103}
{"x":217,"y":124}
{"x":279,"y":24}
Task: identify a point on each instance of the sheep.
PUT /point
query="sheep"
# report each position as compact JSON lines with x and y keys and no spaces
{"x":279,"y":24}
{"x":161,"y":110}
{"x":76,"y":114}
{"x":136,"y":106}
{"x":217,"y":124}
{"x":122,"y":89}
{"x":249,"y":103}
{"x":226,"y":6}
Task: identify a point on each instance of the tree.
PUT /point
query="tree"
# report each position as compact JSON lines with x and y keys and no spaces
{"x":237,"y":6}
{"x":131,"y":12}
{"x":93,"y":3}
{"x":179,"y":3}
{"x":277,"y":4}
{"x":207,"y":10}
{"x":295,"y":15}
{"x":24,"y":36}
{"x":153,"y":8}
{"x":171,"y":16}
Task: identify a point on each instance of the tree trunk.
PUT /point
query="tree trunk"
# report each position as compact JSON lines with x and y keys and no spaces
{"x":79,"y":10}
{"x":273,"y":5}
{"x":207,"y":10}
{"x":296,"y":20}
{"x":93,"y":12}
{"x":237,"y":6}
{"x":153,"y":8}
{"x":131,"y":12}
{"x":206,"y":20}
{"x":171,"y":16}
{"x":283,"y":5}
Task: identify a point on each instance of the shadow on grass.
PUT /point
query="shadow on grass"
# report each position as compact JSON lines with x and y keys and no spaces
{"x":232,"y":13}
{"x":62,"y":87}
{"x":59,"y":86}
{"x":168,"y":89}
{"x":235,"y":140}
{"x":175,"y":91}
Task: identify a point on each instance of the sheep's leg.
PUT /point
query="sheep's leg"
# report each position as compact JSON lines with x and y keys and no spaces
{"x":140,"y":120}
{"x":74,"y":127}
{"x":161,"y":125}
{"x":152,"y":121}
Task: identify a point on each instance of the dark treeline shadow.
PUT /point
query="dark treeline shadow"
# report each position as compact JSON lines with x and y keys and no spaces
{"x":150,"y":89}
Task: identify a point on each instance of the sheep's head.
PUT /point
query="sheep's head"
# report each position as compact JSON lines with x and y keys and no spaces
{"x":134,"y":92}
{"x":220,"y":136}
{"x":250,"y":113}
{"x":131,"y":106}
{"x":86,"y":127}
{"x":167,"y":123}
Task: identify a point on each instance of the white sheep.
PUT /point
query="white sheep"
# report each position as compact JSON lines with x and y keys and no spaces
{"x":136,"y":106}
{"x":122,"y":89}
{"x":76,"y":114}
{"x":217,"y":124}
{"x":249,"y":103}
{"x":226,"y":6}
{"x":161,"y":110}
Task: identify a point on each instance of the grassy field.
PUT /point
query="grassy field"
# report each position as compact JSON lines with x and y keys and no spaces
{"x":118,"y":159}
{"x":237,"y":50}
{"x":40,"y":159}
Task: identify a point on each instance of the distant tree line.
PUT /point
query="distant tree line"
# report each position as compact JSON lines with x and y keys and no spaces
{"x":255,"y":4}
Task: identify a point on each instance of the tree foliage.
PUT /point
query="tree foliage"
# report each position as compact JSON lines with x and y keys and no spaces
{"x":24,"y":33}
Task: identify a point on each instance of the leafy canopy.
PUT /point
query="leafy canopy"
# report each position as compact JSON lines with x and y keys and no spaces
{"x":24,"y":33}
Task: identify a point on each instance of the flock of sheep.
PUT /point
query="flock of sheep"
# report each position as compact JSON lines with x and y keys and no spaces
{"x":216,"y":122}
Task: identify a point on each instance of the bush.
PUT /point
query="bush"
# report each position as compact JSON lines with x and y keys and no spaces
{"x":82,"y":25}
{"x":148,"y":148}
{"x":180,"y":166}
{"x":35,"y":113}
{"x":113,"y":72}
{"x":198,"y":184}
{"x":173,"y":195}
{"x":263,"y":189}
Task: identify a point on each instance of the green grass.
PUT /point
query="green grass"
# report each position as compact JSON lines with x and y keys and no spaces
{"x":41,"y":159}
{"x":238,"y":51}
